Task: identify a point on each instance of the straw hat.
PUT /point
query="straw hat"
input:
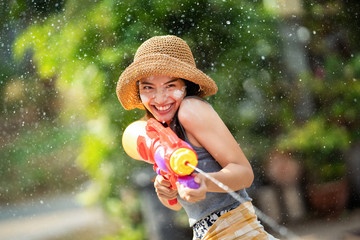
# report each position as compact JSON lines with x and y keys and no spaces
{"x":161,"y":56}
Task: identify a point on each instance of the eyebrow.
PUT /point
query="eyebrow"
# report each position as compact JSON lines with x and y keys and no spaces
{"x":170,"y":81}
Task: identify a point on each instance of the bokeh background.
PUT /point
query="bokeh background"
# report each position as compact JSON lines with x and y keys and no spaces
{"x":289,"y":90}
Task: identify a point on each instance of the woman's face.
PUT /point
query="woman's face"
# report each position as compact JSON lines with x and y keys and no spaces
{"x":162,"y":96}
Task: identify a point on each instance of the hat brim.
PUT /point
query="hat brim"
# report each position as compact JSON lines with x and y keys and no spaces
{"x":159,"y":65}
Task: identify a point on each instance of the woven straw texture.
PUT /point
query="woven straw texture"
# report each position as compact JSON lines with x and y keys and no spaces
{"x":161,"y":56}
{"x":239,"y":223}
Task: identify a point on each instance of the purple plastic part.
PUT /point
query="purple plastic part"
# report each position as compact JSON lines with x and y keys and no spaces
{"x":188,"y":181}
{"x":159,"y":159}
{"x":188,"y":145}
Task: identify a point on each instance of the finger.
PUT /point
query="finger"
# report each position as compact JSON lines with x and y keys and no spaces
{"x":192,"y":195}
{"x":164,"y":182}
{"x":197,"y":178}
{"x":167,"y":194}
{"x":164,"y":189}
{"x":160,"y":181}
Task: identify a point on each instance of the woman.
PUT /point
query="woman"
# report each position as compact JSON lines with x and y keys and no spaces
{"x":164,"y":80}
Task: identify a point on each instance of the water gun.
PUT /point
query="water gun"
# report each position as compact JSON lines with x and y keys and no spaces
{"x":151,"y":142}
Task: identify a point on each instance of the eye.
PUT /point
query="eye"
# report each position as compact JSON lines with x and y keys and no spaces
{"x":146,"y":87}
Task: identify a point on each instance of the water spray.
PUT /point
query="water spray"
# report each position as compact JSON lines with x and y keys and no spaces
{"x":283,"y":231}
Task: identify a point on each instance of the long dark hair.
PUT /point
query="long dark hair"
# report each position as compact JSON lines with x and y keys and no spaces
{"x":192,"y":89}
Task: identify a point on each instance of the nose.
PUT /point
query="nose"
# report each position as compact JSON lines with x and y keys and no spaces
{"x":160,"y":96}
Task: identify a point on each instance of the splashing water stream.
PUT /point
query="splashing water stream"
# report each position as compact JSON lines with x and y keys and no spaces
{"x":283,"y":231}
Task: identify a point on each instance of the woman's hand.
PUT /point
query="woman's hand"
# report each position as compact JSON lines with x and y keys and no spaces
{"x":163,"y":190}
{"x":193,"y":195}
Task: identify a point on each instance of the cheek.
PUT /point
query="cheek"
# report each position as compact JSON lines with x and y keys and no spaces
{"x":179,"y":94}
{"x":144,"y":98}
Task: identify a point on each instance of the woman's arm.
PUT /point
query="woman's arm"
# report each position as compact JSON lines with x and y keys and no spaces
{"x":205,"y":128}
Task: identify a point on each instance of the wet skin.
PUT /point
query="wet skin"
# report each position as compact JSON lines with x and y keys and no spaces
{"x":162,"y":96}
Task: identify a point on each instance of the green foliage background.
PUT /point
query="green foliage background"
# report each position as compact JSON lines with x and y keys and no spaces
{"x":87,"y":45}
{"x":72,"y":52}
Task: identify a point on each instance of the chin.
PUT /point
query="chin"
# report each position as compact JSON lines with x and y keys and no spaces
{"x":163,"y":119}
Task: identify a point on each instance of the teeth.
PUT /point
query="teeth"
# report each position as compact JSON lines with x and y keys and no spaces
{"x":163,"y":108}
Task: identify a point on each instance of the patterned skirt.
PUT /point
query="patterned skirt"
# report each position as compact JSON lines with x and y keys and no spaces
{"x":238,"y":223}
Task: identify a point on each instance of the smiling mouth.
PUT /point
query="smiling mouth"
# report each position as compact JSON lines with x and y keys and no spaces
{"x":163,"y":108}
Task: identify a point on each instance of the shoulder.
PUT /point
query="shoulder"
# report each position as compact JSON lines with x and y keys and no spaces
{"x":194,"y":111}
